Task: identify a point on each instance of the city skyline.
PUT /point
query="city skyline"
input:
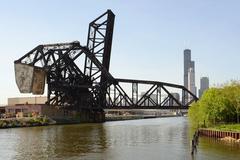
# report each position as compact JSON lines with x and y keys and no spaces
{"x":215,"y":45}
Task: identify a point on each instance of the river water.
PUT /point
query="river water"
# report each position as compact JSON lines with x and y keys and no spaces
{"x":147,"y":139}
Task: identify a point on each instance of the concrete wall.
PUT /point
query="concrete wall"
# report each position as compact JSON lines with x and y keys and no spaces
{"x":57,"y":113}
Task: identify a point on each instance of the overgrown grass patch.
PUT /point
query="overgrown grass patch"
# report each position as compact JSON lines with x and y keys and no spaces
{"x":227,"y":127}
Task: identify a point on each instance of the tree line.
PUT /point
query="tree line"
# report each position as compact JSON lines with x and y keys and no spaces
{"x":216,"y":106}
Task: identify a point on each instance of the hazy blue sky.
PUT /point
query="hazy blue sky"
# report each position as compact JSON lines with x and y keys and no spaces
{"x":149,"y":36}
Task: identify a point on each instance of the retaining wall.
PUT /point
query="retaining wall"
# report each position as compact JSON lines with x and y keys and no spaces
{"x":219,"y":134}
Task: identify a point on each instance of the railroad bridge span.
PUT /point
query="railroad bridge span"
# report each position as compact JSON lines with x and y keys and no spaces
{"x":78,"y":76}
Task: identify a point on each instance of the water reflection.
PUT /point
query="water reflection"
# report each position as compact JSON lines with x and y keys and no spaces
{"x":60,"y":141}
{"x":8,"y":141}
{"x":148,"y":139}
{"x":210,"y":147}
{"x":166,"y":138}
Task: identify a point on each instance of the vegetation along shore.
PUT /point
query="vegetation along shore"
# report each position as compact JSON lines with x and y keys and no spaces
{"x":25,"y":122}
{"x":218,"y":109}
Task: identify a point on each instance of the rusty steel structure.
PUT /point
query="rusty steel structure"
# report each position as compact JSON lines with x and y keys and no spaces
{"x":88,"y":84}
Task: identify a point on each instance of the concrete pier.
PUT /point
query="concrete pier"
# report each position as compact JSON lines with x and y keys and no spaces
{"x":95,"y":116}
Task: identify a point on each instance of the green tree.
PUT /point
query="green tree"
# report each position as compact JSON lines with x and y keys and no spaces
{"x":217,"y":105}
{"x":232,"y":92}
{"x":213,"y":105}
{"x":193,"y":114}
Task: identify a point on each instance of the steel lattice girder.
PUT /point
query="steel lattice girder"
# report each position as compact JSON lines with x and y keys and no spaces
{"x":121,"y":100}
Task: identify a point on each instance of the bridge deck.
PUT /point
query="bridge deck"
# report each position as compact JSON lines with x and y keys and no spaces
{"x":146,"y":107}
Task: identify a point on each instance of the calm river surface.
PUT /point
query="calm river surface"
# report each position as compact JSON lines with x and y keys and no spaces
{"x":148,"y":139}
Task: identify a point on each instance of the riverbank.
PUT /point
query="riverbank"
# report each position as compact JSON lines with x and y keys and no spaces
{"x":133,"y":117}
{"x":225,"y":134}
{"x":44,"y":121}
{"x":25,"y":122}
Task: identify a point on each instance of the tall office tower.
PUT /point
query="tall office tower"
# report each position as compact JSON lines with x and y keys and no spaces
{"x":191,"y":80}
{"x":204,"y":85}
{"x":189,"y":73}
{"x":192,"y":65}
{"x":187,"y":61}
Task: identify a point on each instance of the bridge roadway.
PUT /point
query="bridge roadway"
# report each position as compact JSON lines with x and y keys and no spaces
{"x":146,"y":107}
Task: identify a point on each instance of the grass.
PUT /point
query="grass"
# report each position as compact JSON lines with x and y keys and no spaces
{"x":227,"y":127}
{"x":24,"y":122}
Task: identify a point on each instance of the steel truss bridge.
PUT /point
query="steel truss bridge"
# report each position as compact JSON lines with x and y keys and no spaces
{"x":78,"y":76}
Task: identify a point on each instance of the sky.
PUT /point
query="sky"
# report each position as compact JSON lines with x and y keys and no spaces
{"x":148,"y":41}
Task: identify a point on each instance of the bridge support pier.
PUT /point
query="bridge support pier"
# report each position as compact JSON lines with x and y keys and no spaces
{"x":92,"y":115}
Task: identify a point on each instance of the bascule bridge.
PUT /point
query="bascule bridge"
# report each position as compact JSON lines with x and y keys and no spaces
{"x":78,"y":77}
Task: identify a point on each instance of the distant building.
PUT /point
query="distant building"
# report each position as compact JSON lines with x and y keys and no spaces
{"x":187,"y":60}
{"x":26,"y":100}
{"x":173,"y":102}
{"x":191,"y":81}
{"x":154,"y":99}
{"x":159,"y":99}
{"x":35,"y":105}
{"x":2,"y":109}
{"x":189,"y":73}
{"x":26,"y":105}
{"x":204,"y":85}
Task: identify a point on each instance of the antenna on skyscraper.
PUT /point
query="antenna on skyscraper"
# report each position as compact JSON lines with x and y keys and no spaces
{"x":186,"y":44}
